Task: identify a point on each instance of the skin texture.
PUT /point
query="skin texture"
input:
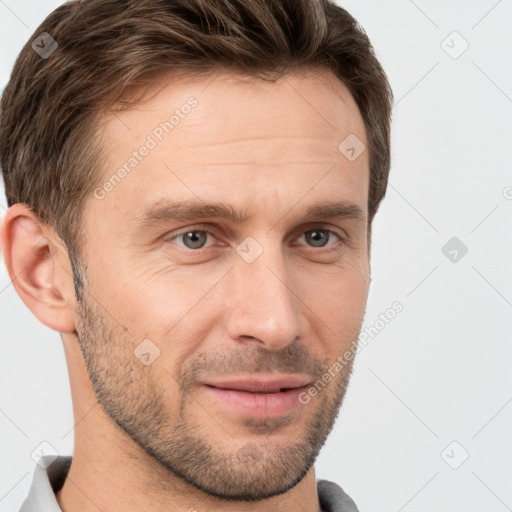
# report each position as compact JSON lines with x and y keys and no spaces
{"x":150,"y":436}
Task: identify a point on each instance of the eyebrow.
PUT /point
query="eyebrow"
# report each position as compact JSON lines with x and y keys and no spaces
{"x":185,"y":211}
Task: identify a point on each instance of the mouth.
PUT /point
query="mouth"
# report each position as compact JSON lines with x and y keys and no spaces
{"x":264,"y":397}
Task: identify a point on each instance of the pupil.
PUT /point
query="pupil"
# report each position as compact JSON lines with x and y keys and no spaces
{"x":318,"y":238}
{"x":195,"y":239}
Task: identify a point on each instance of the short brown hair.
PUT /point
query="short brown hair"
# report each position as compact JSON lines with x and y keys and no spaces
{"x":50,"y":155}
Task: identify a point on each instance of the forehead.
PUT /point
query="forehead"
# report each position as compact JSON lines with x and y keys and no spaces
{"x":236,"y":137}
{"x":230,"y":108}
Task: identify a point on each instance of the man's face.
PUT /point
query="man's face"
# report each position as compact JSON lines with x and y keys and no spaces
{"x":241,"y":316}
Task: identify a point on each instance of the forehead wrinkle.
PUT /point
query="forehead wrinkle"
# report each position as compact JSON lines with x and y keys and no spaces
{"x":269,"y":138}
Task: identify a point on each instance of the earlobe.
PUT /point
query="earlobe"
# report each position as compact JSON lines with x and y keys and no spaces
{"x":37,"y":268}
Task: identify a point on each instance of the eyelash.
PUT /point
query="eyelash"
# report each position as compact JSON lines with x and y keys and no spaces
{"x":209,"y":232}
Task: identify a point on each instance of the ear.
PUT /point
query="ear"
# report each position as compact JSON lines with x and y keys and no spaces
{"x":39,"y":268}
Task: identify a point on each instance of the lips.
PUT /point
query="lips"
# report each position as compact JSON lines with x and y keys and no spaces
{"x":261,"y":385}
{"x":263,"y":397}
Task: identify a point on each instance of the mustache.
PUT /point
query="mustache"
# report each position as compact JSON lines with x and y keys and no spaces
{"x":293,"y":358}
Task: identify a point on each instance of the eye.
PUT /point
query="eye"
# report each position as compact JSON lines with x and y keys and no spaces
{"x":319,"y":237}
{"x":193,"y":238}
{"x":196,"y":239}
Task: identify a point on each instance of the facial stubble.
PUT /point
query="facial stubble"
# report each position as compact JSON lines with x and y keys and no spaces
{"x":135,"y":400}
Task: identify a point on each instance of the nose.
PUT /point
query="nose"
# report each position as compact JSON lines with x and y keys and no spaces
{"x":264,"y":302}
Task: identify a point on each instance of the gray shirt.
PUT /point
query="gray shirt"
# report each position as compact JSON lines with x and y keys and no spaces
{"x":49,"y":478}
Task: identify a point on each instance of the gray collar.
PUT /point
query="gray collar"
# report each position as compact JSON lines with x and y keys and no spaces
{"x":47,"y":480}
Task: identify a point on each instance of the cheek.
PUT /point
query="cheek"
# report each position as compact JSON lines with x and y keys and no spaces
{"x":339,"y":301}
{"x":155,"y":297}
{"x":178,"y":312}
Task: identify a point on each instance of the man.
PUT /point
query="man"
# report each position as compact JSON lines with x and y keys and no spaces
{"x":191,"y":186}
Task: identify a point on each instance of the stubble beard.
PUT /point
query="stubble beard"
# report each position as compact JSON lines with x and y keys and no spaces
{"x":135,"y":401}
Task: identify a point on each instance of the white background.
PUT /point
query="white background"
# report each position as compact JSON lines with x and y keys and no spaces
{"x":440,"y":371}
